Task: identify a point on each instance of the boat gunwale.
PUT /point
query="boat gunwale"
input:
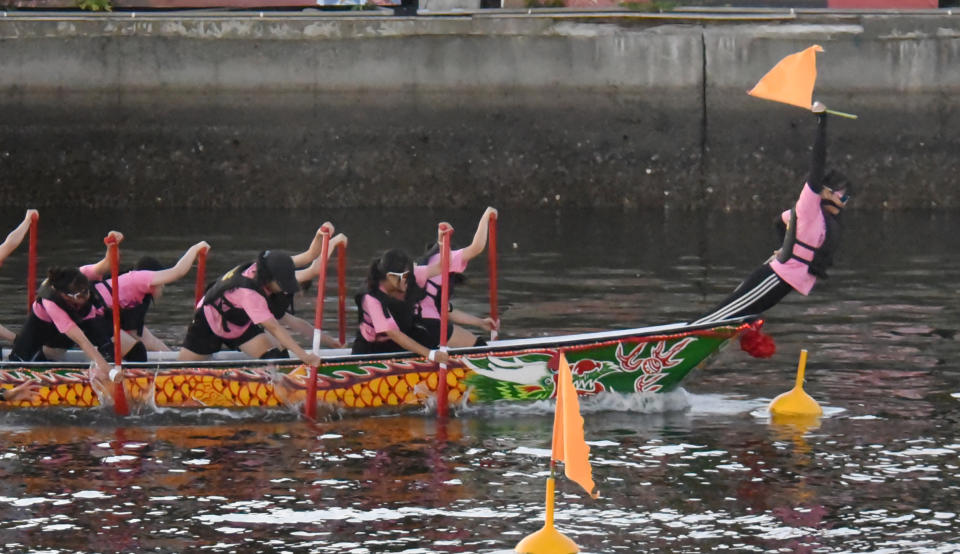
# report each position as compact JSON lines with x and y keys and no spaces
{"x":510,"y":345}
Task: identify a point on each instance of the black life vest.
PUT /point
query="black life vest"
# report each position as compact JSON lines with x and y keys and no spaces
{"x":822,"y":255}
{"x":432,"y":290}
{"x":279,"y":303}
{"x":404,"y":312}
{"x":77,"y":314}
{"x":35,"y":332}
{"x":132,"y":318}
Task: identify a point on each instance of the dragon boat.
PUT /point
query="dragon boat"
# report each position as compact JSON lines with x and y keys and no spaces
{"x":643,"y":360}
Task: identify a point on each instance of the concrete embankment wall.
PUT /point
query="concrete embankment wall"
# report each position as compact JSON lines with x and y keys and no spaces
{"x":508,"y":109}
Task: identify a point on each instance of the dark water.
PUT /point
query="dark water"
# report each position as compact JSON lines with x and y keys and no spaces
{"x":697,"y":471}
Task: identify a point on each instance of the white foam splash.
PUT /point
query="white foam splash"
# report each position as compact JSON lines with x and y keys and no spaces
{"x":764,"y":412}
{"x":723,"y":404}
{"x":645,"y":403}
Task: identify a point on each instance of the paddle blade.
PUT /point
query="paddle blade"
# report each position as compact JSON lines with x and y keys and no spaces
{"x":791,"y":80}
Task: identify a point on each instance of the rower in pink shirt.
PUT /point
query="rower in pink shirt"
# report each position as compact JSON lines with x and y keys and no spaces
{"x":65,"y":314}
{"x":249,"y":308}
{"x":388,"y":321}
{"x":429,"y":306}
{"x":139,"y":288}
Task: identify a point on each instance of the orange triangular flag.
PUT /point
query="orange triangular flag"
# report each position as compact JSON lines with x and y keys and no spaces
{"x":569,"y":445}
{"x":791,"y":81}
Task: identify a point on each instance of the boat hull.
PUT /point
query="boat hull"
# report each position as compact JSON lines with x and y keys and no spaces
{"x":647,"y":360}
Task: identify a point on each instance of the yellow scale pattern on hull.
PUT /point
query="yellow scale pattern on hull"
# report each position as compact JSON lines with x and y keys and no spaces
{"x":196,"y":391}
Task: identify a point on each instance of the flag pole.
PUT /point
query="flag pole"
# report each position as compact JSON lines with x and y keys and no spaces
{"x":842,"y":114}
{"x":548,"y":540}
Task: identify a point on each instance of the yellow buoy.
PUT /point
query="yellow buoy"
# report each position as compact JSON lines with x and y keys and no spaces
{"x":796,"y":402}
{"x":547,"y":540}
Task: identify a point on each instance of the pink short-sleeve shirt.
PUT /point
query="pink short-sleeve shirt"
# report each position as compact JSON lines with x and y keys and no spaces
{"x":133,"y":285}
{"x":379,"y":322}
{"x":428,"y":309}
{"x":250,"y":301}
{"x":48,"y":311}
{"x":812,"y":230}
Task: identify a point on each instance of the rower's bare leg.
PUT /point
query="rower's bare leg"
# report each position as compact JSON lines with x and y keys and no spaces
{"x":127,"y":341}
{"x":54,"y":354}
{"x":257,"y":346}
{"x":191,"y":356}
{"x":461,"y":338}
{"x":152,"y":343}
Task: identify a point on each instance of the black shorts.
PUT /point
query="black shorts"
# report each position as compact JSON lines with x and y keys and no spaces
{"x":202,"y":340}
{"x":36,"y":333}
{"x":363,"y":346}
{"x":427,"y":332}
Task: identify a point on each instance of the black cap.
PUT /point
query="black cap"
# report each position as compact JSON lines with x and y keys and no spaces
{"x":277,"y":265}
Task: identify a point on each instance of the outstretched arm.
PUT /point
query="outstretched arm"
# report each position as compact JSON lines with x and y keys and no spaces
{"x":480,"y":236}
{"x":283,"y":337}
{"x":463,"y":318}
{"x":305,"y":329}
{"x":181,"y":268}
{"x":310,"y":273}
{"x":78,"y":336}
{"x":22,"y":392}
{"x":818,"y":159}
{"x":152,"y":343}
{"x":407,"y":343}
{"x":96,"y":271}
{"x":316,"y":247}
{"x":16,"y":236}
{"x":434,"y":269}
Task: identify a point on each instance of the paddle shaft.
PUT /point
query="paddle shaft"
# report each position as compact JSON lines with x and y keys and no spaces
{"x":446,"y":231}
{"x":310,"y":403}
{"x":342,"y":292}
{"x":200,"y":287}
{"x":492,"y":256}
{"x":32,"y":263}
{"x":119,"y":394}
